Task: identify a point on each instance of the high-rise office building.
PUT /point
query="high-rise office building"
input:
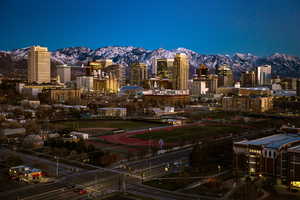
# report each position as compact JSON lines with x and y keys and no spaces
{"x":298,"y":87}
{"x":248,"y":79}
{"x":38,"y":65}
{"x":138,"y":74}
{"x":198,"y":87}
{"x":64,"y":73}
{"x":94,"y":68}
{"x":118,"y":71}
{"x":202,"y":71}
{"x":225,"y":76}
{"x":264,"y":75}
{"x":108,"y":84}
{"x":180,"y":72}
{"x":86,"y":83}
{"x":212,"y":83}
{"x":164,"y":68}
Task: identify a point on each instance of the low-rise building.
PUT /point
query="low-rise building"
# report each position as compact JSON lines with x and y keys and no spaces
{"x":32,"y":91}
{"x":12,"y":132}
{"x":243,"y":91}
{"x":247,"y":104}
{"x":166,"y":97}
{"x":25,"y":173}
{"x":112,"y":112}
{"x":80,"y":135}
{"x":68,"y":96}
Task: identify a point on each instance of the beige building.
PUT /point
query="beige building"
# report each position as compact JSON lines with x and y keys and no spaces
{"x":247,"y":104}
{"x":180,"y":72}
{"x":108,"y":84}
{"x":242,"y":91}
{"x":64,"y":73}
{"x":117,"y":71}
{"x":39,"y":65}
{"x":112,"y":112}
{"x":85,"y":83}
{"x":65,"y":96}
{"x":138,"y":74}
{"x":95,"y":68}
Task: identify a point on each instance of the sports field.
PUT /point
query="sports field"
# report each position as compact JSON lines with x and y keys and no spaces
{"x":189,"y":133}
{"x":118,"y":124}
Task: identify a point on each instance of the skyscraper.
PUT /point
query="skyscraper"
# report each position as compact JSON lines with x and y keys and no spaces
{"x":202,"y":71}
{"x":118,"y":71}
{"x":64,"y":73}
{"x":164,"y":68}
{"x":212,"y":83}
{"x":138,"y":74}
{"x":248,"y":79}
{"x":264,"y":75}
{"x":225,"y":76}
{"x":94,"y":68}
{"x":180,"y":72}
{"x":38,"y":65}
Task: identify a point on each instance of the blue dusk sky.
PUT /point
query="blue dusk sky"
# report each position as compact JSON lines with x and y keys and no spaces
{"x":260,"y":27}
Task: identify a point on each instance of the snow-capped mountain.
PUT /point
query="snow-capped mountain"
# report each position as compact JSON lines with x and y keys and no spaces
{"x":282,"y":64}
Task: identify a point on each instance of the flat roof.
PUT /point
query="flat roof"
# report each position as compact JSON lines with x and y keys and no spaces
{"x":273,"y":141}
{"x":295,"y":148}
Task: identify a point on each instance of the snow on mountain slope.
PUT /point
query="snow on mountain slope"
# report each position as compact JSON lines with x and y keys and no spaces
{"x":282,"y":64}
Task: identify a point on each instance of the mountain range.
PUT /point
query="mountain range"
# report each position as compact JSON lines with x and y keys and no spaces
{"x":14,"y":62}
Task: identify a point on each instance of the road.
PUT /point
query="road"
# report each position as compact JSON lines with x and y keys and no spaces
{"x":156,"y":193}
{"x":103,"y":178}
{"x":63,"y":169}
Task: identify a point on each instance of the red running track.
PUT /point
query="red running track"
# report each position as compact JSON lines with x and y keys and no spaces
{"x":127,"y":139}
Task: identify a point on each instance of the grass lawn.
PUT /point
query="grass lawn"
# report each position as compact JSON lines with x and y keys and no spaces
{"x":122,"y":124}
{"x":190,"y":133}
{"x":171,"y":184}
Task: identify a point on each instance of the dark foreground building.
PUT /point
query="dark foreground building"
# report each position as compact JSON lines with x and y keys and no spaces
{"x":276,"y":156}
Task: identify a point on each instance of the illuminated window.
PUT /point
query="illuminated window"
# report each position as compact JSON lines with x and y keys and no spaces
{"x":295,"y":183}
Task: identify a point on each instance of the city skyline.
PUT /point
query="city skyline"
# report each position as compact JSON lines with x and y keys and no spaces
{"x":260,"y":28}
{"x":160,"y":99}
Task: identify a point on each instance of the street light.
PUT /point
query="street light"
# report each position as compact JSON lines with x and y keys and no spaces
{"x":149,"y":146}
{"x":56,"y":157}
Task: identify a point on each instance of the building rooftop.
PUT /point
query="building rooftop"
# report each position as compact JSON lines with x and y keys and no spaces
{"x":273,"y":141}
{"x":247,"y":88}
{"x":294,"y":149}
{"x":111,"y":108}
